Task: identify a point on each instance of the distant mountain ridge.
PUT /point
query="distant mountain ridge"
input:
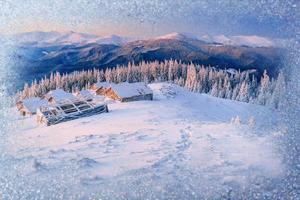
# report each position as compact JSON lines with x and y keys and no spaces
{"x":69,"y":37}
{"x":251,"y":41}
{"x":70,"y":51}
{"x":177,"y":36}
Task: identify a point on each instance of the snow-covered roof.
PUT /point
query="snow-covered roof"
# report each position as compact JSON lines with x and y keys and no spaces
{"x":85,"y":94}
{"x":126,"y":89}
{"x":103,"y":84}
{"x":59,"y":95}
{"x":32,"y":104}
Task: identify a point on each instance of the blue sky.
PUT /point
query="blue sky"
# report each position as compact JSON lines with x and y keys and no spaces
{"x":146,"y":18}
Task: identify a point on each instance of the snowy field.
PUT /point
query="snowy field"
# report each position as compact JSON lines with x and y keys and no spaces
{"x":181,"y":145}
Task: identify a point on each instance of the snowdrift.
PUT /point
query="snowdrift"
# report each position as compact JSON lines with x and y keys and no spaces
{"x":181,"y":145}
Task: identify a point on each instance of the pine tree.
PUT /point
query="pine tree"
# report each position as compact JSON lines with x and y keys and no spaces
{"x":243,"y":94}
{"x":236,"y":86}
{"x":251,"y":121}
{"x":264,"y":91}
{"x":279,"y":91}
{"x":214,"y":90}
{"x":191,"y":79}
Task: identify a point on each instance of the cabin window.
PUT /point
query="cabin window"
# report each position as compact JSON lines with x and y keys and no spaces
{"x":79,"y":103}
{"x":66,"y":106}
{"x":84,"y":107}
{"x":72,"y":110}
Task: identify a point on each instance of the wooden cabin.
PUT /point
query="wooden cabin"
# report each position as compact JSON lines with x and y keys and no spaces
{"x":125,"y":92}
{"x":68,"y":110}
{"x":64,"y":106}
{"x":28,"y":107}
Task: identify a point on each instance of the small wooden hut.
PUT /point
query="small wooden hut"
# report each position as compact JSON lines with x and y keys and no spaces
{"x":124,"y":92}
{"x":68,"y":110}
{"x":28,"y":107}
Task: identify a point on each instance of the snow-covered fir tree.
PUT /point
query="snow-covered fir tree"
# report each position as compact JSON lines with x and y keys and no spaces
{"x":264,"y":89}
{"x":278,"y":92}
{"x":239,"y":86}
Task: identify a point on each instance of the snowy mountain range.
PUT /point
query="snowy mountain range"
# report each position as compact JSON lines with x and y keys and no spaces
{"x":64,"y":38}
{"x":71,"y":37}
{"x":242,"y":40}
{"x":251,"y":41}
{"x":40,"y":53}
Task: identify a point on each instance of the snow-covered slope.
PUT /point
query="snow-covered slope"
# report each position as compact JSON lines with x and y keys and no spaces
{"x":242,"y":40}
{"x":72,"y":37}
{"x":112,"y":39}
{"x":253,"y":40}
{"x":177,"y":36}
{"x":181,"y":145}
{"x":64,"y":38}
